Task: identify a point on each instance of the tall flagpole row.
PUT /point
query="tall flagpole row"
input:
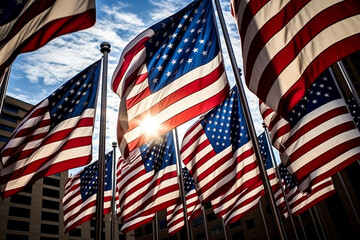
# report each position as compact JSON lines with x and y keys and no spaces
{"x":250,"y":124}
{"x":267,"y":137}
{"x":181,"y":180}
{"x":348,"y":81}
{"x":105,"y":49}
{"x":3,"y":85}
{"x":156,"y":227}
{"x":113,"y":206}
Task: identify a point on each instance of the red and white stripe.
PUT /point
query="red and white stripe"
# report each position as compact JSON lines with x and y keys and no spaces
{"x":142,"y":194}
{"x":215,"y":173}
{"x":175,"y":213}
{"x":40,"y":22}
{"x":76,"y":211}
{"x":185,"y":98}
{"x":322,"y":143}
{"x":33,"y":152}
{"x":287,"y":44}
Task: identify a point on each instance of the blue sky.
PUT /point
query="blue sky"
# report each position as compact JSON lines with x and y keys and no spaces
{"x":37,"y":74}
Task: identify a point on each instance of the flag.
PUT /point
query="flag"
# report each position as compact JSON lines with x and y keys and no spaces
{"x":169,"y":74}
{"x":218,"y":152}
{"x":54,"y":136}
{"x":175,"y":213}
{"x":147,"y":184}
{"x":29,"y":24}
{"x":271,"y":171}
{"x":80,"y":192}
{"x":354,"y":110}
{"x":300,"y":202}
{"x":318,"y":137}
{"x":286,"y":45}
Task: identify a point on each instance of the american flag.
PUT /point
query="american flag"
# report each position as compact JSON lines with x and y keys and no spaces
{"x":55,"y":135}
{"x":147,"y":184}
{"x":170,"y":73}
{"x":79,"y":202}
{"x":319,"y":137}
{"x":286,"y":45}
{"x":354,"y":110}
{"x":300,"y":202}
{"x":29,"y":24}
{"x":175,"y":213}
{"x":271,"y":171}
{"x":218,"y":152}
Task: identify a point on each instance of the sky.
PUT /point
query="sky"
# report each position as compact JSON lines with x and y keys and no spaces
{"x":36,"y":75}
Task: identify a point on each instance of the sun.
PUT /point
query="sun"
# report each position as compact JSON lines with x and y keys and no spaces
{"x":150,"y":126}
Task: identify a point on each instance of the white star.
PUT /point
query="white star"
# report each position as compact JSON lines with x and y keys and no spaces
{"x":168,"y":74}
{"x":159,"y":68}
{"x":189,"y":60}
{"x":179,"y":50}
{"x":195,"y":50}
{"x":173,"y":61}
{"x":170,"y":45}
{"x":186,"y":40}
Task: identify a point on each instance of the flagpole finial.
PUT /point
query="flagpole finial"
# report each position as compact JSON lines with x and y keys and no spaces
{"x":114,"y":144}
{"x":105,"y":46}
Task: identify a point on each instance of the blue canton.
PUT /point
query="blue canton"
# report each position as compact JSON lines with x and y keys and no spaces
{"x":354,"y":110}
{"x":265,"y":152}
{"x":290,"y":180}
{"x":182,"y":42}
{"x":10,"y":9}
{"x":189,"y":183}
{"x":225,"y":125}
{"x":89,"y":176}
{"x":76,"y":95}
{"x":159,"y":153}
{"x":322,"y":91}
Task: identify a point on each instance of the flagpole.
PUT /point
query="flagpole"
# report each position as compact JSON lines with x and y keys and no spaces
{"x":263,"y":218}
{"x":205,"y":222}
{"x":348,"y":81}
{"x":315,"y":225}
{"x":302,"y":226}
{"x":113,"y":206}
{"x":249,"y":124}
{"x":156,"y":227}
{"x":181,"y":182}
{"x":3,"y":86}
{"x":267,"y":137}
{"x":319,"y":220}
{"x":225,"y":231}
{"x":105,"y":49}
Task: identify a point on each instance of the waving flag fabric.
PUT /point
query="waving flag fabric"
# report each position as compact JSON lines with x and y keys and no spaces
{"x":147,"y":184}
{"x":218,"y":152}
{"x":170,"y":73}
{"x":300,"y":202}
{"x":29,"y":24}
{"x":286,"y":45}
{"x":175,"y":213}
{"x":79,"y":202}
{"x":55,"y":135}
{"x":319,"y":137}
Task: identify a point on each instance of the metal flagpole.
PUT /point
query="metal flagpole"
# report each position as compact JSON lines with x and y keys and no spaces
{"x":225,"y":231}
{"x":3,"y":85}
{"x":263,"y":218}
{"x":205,"y":222}
{"x":302,"y":226}
{"x":315,"y":225}
{"x":348,"y":81}
{"x":267,"y":137}
{"x":250,"y":125}
{"x":348,"y":197}
{"x":319,"y":220}
{"x":181,"y":182}
{"x":105,"y":49}
{"x":113,"y":206}
{"x":156,"y":227}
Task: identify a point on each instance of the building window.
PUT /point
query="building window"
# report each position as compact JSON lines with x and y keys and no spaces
{"x":138,"y":232}
{"x":211,"y":217}
{"x":48,"y":216}
{"x":235,"y":224}
{"x":16,"y":236}
{"x":250,"y":224}
{"x":238,"y":236}
{"x":6,"y":128}
{"x":76,"y":232}
{"x":3,"y":139}
{"x":28,"y":189}
{"x":148,"y":228}
{"x":50,"y":204}
{"x":217,"y":229}
{"x":162,"y":224}
{"x":19,"y":212}
{"x":18,"y":225}
{"x":200,"y":235}
{"x":19,"y":199}
{"x":49,"y":229}
{"x":198,"y":221}
{"x":8,"y":117}
{"x":51,"y":193}
{"x":122,"y":237}
{"x":10,"y":108}
{"x":52,"y":182}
